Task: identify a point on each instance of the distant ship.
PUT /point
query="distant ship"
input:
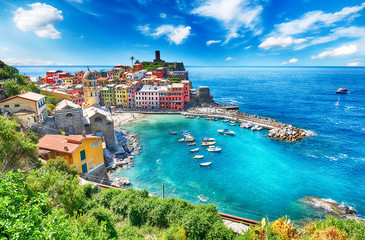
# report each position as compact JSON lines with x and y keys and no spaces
{"x":341,"y":91}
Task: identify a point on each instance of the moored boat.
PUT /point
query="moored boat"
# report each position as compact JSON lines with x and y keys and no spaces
{"x":194,"y":150}
{"x":208,"y":118}
{"x":256,"y":128}
{"x":246,"y":125}
{"x":203,"y":198}
{"x":214,"y":149}
{"x":341,"y":91}
{"x":173,"y":132}
{"x":232,"y":124}
{"x":207,"y":144}
{"x":205,"y":164}
{"x":191,"y":143}
{"x":189,"y":138}
{"x":226,"y":131}
{"x":225,"y":120}
{"x":181,"y":140}
{"x":198,"y":156}
{"x":207,"y":139}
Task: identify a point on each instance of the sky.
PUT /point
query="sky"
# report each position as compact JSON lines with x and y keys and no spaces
{"x":199,"y":33}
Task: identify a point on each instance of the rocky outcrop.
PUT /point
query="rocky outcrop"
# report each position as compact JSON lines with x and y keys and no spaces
{"x":121,"y":182}
{"x":332,"y":207}
{"x":289,"y":133}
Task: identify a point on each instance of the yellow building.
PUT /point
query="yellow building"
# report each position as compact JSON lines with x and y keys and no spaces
{"x":121,"y":97}
{"x":59,"y":95}
{"x":67,"y":81}
{"x":30,"y":101}
{"x":85,"y":151}
{"x":90,"y":86}
{"x":108,"y":95}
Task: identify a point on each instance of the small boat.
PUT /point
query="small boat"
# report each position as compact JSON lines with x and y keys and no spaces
{"x":189,"y":138}
{"x":208,"y":118}
{"x":232,"y":124}
{"x":226,"y":131}
{"x":184,"y":131}
{"x":215,"y":119}
{"x":207,"y":139}
{"x":173,"y":132}
{"x":232,"y":121}
{"x":181,"y":140}
{"x":207,"y":144}
{"x":205,"y":164}
{"x":214,"y":149}
{"x":225,"y":120}
{"x":256,"y":128}
{"x":194,"y":150}
{"x":341,"y":91}
{"x":246,"y":125}
{"x":197,"y":117}
{"x":198,"y":156}
{"x":203,"y":198}
{"x":192,"y":144}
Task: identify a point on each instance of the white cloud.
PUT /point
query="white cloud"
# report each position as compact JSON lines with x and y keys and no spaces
{"x":248,"y":47}
{"x":31,"y":62}
{"x":163,"y":15}
{"x":210,"y":42}
{"x":40,"y":19}
{"x":230,"y":36}
{"x":229,"y":59}
{"x":354,"y":64}
{"x":233,"y":14}
{"x":272,"y":42}
{"x":5,"y":49}
{"x":316,"y":19}
{"x":174,"y":34}
{"x":343,"y":50}
{"x":293,"y":60}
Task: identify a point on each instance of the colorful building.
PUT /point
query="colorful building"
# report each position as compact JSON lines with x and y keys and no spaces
{"x":107,"y":94}
{"x":84,"y":151}
{"x":121,"y":97}
{"x":55,"y":92}
{"x":29,"y":102}
{"x":131,"y":92}
{"x":148,"y":97}
{"x":159,"y":72}
{"x":91,"y":93}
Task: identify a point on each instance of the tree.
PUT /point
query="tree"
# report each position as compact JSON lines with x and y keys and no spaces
{"x":132,"y":58}
{"x":11,"y":88}
{"x":17,"y":147}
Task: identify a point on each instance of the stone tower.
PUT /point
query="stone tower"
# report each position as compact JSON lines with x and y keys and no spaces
{"x":90,"y":86}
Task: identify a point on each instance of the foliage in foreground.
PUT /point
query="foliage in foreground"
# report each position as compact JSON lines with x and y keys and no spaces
{"x":48,"y":203}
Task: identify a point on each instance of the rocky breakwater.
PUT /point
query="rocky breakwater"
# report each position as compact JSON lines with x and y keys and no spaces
{"x":330,"y":206}
{"x":289,"y":133}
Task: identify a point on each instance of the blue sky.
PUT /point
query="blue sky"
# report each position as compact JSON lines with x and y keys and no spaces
{"x":200,"y":33}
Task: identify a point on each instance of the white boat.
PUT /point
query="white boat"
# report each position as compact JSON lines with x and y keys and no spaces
{"x":232,"y":121}
{"x":203,"y":198}
{"x":226,"y":131}
{"x":232,"y":124}
{"x":198,"y":156}
{"x":189,"y":138}
{"x":214,"y":149}
{"x":194,"y":150}
{"x":341,"y":91}
{"x":225,"y":120}
{"x":197,"y":117}
{"x":256,"y":128}
{"x":181,"y":140}
{"x":205,"y":164}
{"x":208,"y":139}
{"x":246,"y":125}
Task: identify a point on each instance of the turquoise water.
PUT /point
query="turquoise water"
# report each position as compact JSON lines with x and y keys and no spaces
{"x":255,"y":176}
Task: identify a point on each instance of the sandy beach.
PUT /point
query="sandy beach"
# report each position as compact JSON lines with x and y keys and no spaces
{"x":122,"y":119}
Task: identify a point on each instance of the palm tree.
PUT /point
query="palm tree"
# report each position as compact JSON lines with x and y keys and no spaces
{"x":132,"y":58}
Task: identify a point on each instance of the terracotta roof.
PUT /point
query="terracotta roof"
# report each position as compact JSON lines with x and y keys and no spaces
{"x":60,"y":143}
{"x":102,"y":78}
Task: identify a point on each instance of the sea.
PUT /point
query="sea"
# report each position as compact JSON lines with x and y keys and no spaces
{"x":254,"y":176}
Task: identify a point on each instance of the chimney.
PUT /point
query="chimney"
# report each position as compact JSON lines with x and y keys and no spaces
{"x":65,"y":148}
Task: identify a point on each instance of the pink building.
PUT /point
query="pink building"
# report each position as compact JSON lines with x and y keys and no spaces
{"x":148,"y":97}
{"x":131,"y":92}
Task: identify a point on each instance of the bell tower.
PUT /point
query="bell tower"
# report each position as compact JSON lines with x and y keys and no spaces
{"x":90,"y":87}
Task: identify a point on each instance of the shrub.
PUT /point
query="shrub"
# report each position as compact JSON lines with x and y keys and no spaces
{"x":104,"y":216}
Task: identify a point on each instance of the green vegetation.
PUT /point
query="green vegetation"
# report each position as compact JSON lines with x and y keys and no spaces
{"x":13,"y":83}
{"x":149,"y":66}
{"x":17,"y":147}
{"x":175,"y":80}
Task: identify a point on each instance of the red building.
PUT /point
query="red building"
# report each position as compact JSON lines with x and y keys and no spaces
{"x":172,"y":97}
{"x":159,"y":72}
{"x":52,"y":73}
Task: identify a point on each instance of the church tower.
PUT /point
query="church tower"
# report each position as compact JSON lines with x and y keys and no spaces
{"x":90,"y":86}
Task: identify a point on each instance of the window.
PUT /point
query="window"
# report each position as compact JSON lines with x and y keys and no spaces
{"x":6,"y":106}
{"x":17,"y":105}
{"x":69,"y":115}
{"x":83,"y":155}
{"x":98,"y":119}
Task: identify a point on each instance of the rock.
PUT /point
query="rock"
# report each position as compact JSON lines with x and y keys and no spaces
{"x":120,"y":182}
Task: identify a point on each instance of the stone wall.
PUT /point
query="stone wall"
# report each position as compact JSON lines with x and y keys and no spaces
{"x":70,"y":119}
{"x":99,"y":125}
{"x":98,"y":174}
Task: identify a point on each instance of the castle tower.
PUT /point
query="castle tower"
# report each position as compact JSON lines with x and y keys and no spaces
{"x":90,"y":86}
